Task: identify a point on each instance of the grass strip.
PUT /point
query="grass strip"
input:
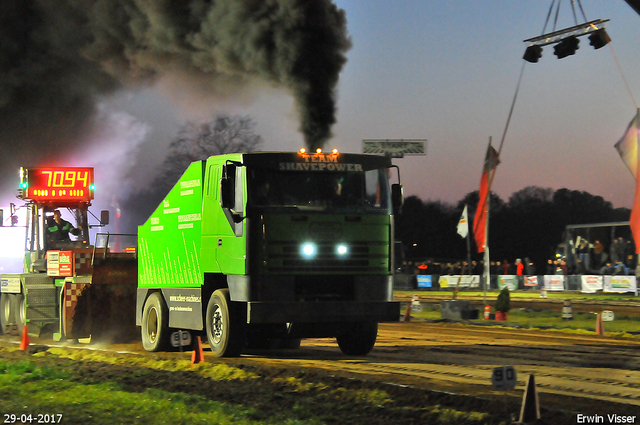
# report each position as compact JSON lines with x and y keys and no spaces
{"x":130,"y":389}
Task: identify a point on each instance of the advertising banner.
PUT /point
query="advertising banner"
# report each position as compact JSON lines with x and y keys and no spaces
{"x":424,"y":281}
{"x":10,"y":284}
{"x":620,"y":284}
{"x":554,"y":282}
{"x":591,"y":284}
{"x":510,"y":281}
{"x":531,"y":281}
{"x":60,"y":263}
{"x":466,"y":281}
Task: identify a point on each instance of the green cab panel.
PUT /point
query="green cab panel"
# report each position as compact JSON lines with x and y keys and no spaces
{"x":169,"y":241}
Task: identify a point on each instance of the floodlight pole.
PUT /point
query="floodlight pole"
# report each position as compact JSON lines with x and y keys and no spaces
{"x":575,"y":31}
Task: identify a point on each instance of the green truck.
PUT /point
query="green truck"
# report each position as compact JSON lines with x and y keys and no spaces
{"x":259,"y":250}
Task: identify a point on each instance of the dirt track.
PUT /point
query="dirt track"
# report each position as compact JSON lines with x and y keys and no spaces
{"x":578,"y":373}
{"x":582,"y":374}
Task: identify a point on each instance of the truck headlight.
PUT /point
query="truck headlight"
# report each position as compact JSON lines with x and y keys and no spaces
{"x":308,"y":250}
{"x":342,"y":250}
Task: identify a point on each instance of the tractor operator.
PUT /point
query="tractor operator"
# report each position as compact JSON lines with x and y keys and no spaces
{"x":60,"y":228}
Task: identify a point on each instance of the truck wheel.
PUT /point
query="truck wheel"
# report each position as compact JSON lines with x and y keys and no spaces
{"x":6,"y":315}
{"x":359,"y":339}
{"x":155,"y":327}
{"x":225,"y":328}
{"x":20,"y":311}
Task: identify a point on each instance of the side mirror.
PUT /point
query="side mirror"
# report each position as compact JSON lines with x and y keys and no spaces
{"x":227,"y":193}
{"x":104,"y":217}
{"x":397,"y":198}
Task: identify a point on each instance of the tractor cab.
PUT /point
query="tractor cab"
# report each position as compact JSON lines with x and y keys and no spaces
{"x":58,"y":256}
{"x":57,"y":204}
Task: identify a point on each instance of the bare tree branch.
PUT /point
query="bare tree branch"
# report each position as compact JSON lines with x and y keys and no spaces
{"x":222,"y":134}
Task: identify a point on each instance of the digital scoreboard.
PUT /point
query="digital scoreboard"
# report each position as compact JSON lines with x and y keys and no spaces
{"x":57,"y":184}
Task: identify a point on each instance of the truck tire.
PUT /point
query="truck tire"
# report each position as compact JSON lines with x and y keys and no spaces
{"x":155,"y":323}
{"x":19,"y":312}
{"x":359,"y":339}
{"x":6,"y":312}
{"x":225,"y":328}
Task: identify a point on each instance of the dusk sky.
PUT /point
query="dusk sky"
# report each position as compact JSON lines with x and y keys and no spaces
{"x":447,"y":72}
{"x":437,"y":70}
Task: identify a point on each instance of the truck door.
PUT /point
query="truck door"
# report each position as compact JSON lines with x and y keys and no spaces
{"x":223,"y":232}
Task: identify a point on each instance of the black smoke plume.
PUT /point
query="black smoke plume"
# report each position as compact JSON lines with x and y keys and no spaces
{"x":58,"y":58}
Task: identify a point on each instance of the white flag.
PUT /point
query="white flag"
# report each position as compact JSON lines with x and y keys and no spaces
{"x":463,"y":224}
{"x":628,"y":146}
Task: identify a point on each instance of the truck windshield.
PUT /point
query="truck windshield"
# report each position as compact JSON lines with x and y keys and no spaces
{"x":343,"y":192}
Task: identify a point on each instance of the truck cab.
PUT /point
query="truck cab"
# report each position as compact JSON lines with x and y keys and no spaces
{"x":249,"y":249}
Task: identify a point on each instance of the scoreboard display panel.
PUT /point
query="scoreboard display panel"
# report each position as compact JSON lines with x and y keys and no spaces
{"x":57,"y":184}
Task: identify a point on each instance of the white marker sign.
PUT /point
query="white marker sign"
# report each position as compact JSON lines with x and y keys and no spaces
{"x":504,"y":378}
{"x":181,"y":339}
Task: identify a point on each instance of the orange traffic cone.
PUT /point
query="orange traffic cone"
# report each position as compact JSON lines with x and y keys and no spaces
{"x":599,"y":325}
{"x":198,"y":354}
{"x":407,"y":314}
{"x":530,"y":405}
{"x":24,"y":345}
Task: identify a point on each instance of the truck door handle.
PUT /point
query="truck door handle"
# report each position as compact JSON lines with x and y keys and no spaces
{"x":219,"y":242}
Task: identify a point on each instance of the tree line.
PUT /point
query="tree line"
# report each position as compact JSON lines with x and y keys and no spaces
{"x":530,"y":224}
{"x":195,"y":141}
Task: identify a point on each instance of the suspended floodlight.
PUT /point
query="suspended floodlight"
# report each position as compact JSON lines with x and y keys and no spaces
{"x":567,"y":40}
{"x":566,"y":47}
{"x":532,"y":54}
{"x":599,"y":39}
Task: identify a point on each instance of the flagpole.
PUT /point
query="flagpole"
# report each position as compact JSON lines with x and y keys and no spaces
{"x":469,"y":251}
{"x":487,"y":271}
{"x":482,"y":238}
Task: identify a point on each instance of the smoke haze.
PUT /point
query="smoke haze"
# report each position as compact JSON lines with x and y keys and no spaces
{"x":59,"y":59}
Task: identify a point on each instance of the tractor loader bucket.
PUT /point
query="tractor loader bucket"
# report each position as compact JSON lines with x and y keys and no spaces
{"x":106,"y":308}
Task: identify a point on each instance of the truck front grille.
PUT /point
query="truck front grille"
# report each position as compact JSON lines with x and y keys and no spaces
{"x":360,"y":256}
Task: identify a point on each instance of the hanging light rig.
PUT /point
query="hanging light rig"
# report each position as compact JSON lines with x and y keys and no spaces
{"x":567,"y":40}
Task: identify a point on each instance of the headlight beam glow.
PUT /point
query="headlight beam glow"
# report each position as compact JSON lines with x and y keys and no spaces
{"x":308,"y":250}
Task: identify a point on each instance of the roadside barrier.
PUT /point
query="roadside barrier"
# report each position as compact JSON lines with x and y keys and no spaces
{"x":550,"y":283}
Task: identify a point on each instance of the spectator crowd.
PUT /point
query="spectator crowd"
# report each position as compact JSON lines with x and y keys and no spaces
{"x":580,"y":257}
